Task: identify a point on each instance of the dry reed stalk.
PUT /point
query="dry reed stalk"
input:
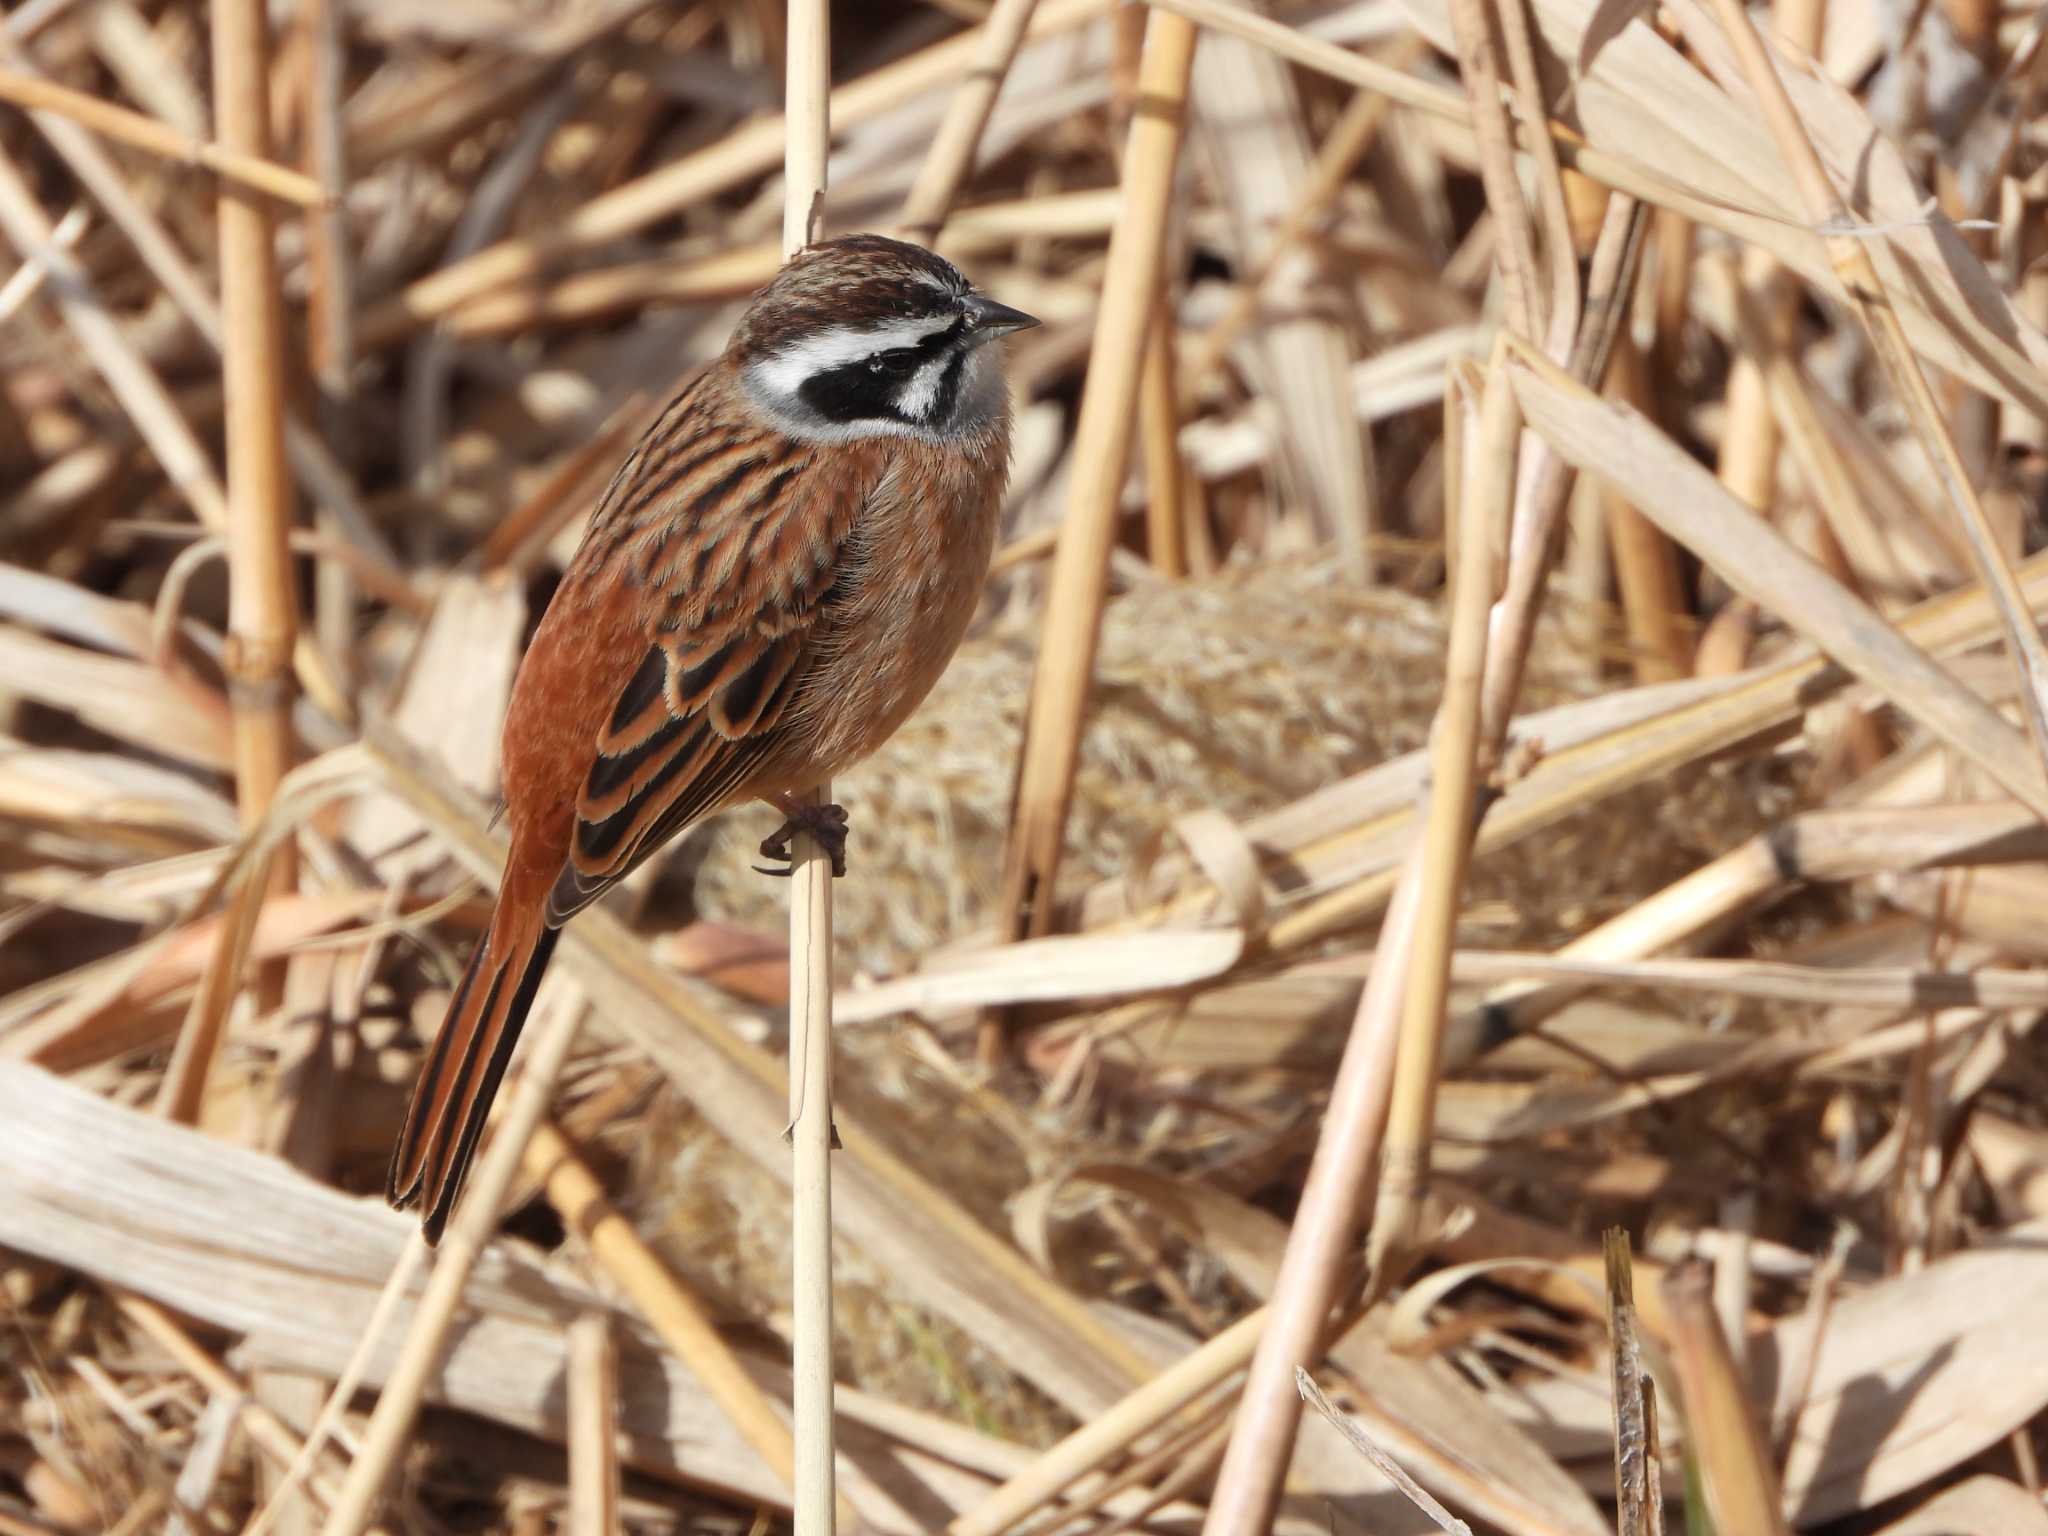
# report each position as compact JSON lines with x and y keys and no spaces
{"x":1445,"y":844}
{"x":694,"y":178}
{"x":941,"y":1254}
{"x":1166,"y":529}
{"x":1697,"y":511}
{"x":1720,"y":1422}
{"x":326,"y":1424}
{"x":1638,"y":1482}
{"x":426,"y":1340}
{"x":262,"y":604}
{"x":1080,"y":576}
{"x":1347,"y":142}
{"x":807,"y":108}
{"x":322,"y":475}
{"x":128,"y":375}
{"x":1388,"y":1468}
{"x":1319,"y":1245}
{"x":593,"y":1427}
{"x":1868,"y":297}
{"x":1645,"y":560}
{"x":269,"y":1433}
{"x":1112,"y":1432}
{"x":950,"y":160}
{"x":330,"y":304}
{"x":250,"y":170}
{"x":663,"y":1299}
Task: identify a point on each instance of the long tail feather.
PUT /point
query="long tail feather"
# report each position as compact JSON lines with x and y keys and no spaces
{"x":453,"y":1096}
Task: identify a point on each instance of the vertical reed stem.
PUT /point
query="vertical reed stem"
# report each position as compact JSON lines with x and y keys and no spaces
{"x":807,"y":106}
{"x":1102,"y":441}
{"x":262,"y":613}
{"x":262,"y":610}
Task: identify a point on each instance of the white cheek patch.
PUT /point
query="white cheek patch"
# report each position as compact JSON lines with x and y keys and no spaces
{"x":784,"y":373}
{"x":922,"y":393}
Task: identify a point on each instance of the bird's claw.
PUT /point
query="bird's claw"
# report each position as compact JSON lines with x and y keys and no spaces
{"x":826,"y":823}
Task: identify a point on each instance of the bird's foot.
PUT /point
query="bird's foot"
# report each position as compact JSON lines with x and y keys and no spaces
{"x":826,"y":823}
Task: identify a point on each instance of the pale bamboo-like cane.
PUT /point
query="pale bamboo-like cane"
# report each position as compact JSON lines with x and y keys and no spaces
{"x":1102,"y":441}
{"x":807,"y":112}
{"x":1455,"y":752}
{"x":262,"y":607}
{"x":951,"y":157}
{"x":593,"y":1427}
{"x":1320,"y":1244}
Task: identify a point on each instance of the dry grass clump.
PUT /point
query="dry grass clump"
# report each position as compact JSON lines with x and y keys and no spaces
{"x":1546,"y":503}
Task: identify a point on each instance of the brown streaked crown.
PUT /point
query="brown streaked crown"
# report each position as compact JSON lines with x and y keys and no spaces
{"x":854,"y":280}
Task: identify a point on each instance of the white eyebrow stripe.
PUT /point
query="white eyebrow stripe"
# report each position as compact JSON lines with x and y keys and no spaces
{"x":784,"y":372}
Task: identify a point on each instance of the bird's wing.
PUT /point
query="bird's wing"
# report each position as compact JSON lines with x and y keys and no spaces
{"x":732,"y":547}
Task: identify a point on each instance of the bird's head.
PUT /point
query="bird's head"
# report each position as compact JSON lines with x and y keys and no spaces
{"x":865,"y":336}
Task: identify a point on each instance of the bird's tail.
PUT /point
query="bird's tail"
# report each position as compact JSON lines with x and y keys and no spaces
{"x":453,"y":1097}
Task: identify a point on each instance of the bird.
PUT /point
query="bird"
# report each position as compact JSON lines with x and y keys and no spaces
{"x":770,"y":584}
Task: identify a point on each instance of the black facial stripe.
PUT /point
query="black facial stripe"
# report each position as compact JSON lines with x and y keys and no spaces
{"x":867,"y":388}
{"x":948,"y":393}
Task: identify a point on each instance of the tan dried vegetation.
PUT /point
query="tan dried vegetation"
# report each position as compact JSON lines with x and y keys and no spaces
{"x":1625,"y":420}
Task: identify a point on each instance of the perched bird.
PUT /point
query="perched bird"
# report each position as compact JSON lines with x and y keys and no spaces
{"x":773,"y":580}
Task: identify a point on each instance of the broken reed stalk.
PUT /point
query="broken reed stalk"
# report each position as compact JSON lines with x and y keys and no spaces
{"x":1850,"y":256}
{"x":807,"y":113}
{"x":593,"y":1427}
{"x":1102,"y":440}
{"x":384,"y":1440}
{"x":1446,"y":845}
{"x":1639,"y":1499}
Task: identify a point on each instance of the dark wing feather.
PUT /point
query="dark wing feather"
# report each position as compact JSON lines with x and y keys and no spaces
{"x":741,"y":553}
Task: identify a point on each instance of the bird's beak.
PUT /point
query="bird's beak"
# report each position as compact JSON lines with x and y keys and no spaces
{"x":991,"y":319}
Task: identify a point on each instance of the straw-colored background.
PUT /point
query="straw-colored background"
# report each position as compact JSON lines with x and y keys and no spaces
{"x":1627,"y":421}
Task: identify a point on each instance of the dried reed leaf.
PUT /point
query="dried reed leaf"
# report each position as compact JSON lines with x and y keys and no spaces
{"x":128,"y":700}
{"x":1979,"y":1506}
{"x":1423,"y":1409}
{"x":1700,"y":148}
{"x":1914,"y":1375}
{"x":1670,"y":488}
{"x":1045,"y":970}
{"x":136,"y":1201}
